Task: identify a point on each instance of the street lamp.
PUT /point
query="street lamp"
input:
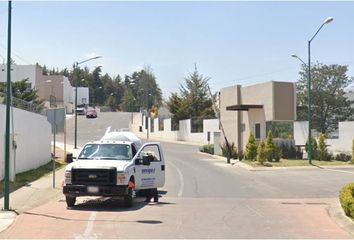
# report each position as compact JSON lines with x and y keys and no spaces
{"x":327,"y":20}
{"x":295,"y":56}
{"x":77,"y":76}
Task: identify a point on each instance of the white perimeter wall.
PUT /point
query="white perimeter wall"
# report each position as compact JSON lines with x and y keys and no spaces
{"x":33,"y":139}
{"x":184,"y":133}
{"x":342,"y":144}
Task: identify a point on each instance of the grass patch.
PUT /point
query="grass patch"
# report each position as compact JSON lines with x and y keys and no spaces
{"x":297,"y":163}
{"x":31,"y":175}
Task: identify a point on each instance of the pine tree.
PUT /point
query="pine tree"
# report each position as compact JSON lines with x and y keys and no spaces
{"x":261,"y":152}
{"x":251,"y":148}
{"x":193,"y":99}
{"x":270,"y":148}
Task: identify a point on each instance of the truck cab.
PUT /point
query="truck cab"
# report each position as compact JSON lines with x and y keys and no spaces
{"x":114,"y":168}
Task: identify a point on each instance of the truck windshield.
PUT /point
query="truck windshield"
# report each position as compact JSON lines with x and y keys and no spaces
{"x":106,"y":152}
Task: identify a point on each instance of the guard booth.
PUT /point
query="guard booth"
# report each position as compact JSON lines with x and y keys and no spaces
{"x":251,"y":109}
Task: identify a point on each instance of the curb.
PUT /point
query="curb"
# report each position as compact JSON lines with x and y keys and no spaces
{"x":336,"y":212}
{"x":6,"y":219}
{"x":166,"y":140}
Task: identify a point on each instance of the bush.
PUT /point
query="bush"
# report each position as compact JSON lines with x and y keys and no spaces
{"x":322,"y":152}
{"x":251,"y":148}
{"x":269,"y":147}
{"x":277,"y":154}
{"x":343,"y":157}
{"x":233,"y":148}
{"x":314,"y":147}
{"x":289,"y":151}
{"x":347,"y":200}
{"x":261,"y":152}
{"x":241,"y":155}
{"x":208,"y":148}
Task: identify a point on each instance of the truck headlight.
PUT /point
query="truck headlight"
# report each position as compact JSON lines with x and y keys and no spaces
{"x":120,"y":177}
{"x":67,"y":177}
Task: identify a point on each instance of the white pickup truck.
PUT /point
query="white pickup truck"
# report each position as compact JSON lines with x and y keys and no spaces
{"x":114,"y":168}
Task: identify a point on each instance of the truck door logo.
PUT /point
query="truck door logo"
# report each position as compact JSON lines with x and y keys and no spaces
{"x":148,"y":171}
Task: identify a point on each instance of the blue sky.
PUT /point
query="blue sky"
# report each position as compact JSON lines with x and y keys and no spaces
{"x":231,"y":42}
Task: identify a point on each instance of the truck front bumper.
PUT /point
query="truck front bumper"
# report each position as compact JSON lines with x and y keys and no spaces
{"x":83,"y":190}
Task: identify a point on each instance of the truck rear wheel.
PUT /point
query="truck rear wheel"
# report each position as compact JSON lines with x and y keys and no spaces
{"x":70,"y":201}
{"x":128,"y":199}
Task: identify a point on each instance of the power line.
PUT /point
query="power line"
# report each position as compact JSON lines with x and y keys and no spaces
{"x":15,"y":54}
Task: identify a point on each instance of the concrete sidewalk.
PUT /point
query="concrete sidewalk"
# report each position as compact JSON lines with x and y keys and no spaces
{"x":34,"y":194}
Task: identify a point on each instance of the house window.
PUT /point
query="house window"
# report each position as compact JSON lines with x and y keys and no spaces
{"x":258,"y":130}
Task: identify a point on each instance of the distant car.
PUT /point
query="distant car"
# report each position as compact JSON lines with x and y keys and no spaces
{"x":91,"y":113}
{"x":80,"y":111}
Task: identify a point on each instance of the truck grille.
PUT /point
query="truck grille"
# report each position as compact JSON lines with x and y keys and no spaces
{"x":94,"y":176}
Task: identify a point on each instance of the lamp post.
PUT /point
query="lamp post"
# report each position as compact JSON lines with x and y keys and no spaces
{"x":310,"y":152}
{"x":77,"y":76}
{"x":7,"y":118}
{"x":147,"y":114}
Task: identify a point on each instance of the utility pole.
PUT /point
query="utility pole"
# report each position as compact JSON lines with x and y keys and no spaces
{"x":7,"y":127}
{"x":221,"y":126}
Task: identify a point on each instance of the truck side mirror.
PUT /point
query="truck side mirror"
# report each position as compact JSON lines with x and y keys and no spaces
{"x":69,"y":158}
{"x":138,"y":161}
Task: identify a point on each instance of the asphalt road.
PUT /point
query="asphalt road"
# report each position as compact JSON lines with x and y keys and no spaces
{"x":203,"y":198}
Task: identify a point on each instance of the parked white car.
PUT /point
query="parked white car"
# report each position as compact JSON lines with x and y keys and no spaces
{"x":114,"y":168}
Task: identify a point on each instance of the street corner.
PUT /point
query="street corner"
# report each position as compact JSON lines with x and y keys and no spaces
{"x":6,"y":219}
{"x":336,"y":212}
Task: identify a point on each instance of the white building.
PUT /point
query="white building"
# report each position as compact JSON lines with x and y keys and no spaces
{"x":20,"y":72}
{"x":82,"y":95}
{"x":55,"y":87}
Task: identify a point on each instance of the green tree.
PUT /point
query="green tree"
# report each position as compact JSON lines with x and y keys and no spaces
{"x":193,"y":99}
{"x":261,"y":152}
{"x":145,"y":88}
{"x":251,"y":148}
{"x":129,"y":103}
{"x":111,"y":102}
{"x":329,"y":103}
{"x":24,"y":96}
{"x":322,"y":149}
{"x":269,"y":147}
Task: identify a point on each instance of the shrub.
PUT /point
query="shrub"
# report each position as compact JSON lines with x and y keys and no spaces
{"x":343,"y":157}
{"x":233,"y":148}
{"x":346,"y":199}
{"x":208,"y":148}
{"x":269,"y":147}
{"x":314,"y":147}
{"x":261,"y":153}
{"x":277,"y":154}
{"x":241,"y":155}
{"x":288,"y":151}
{"x":251,"y":148}
{"x":322,"y":149}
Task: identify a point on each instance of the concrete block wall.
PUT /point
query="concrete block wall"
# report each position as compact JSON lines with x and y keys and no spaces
{"x":33,"y":138}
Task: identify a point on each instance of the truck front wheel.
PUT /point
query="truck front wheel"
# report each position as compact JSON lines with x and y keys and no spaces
{"x":128,"y":199}
{"x":70,"y":201}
